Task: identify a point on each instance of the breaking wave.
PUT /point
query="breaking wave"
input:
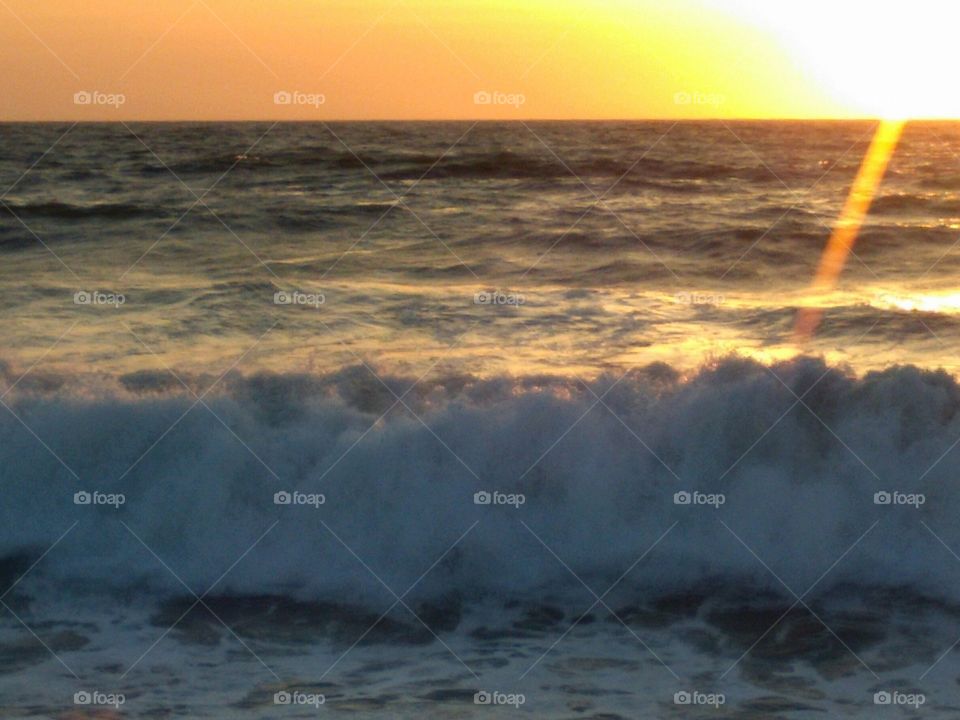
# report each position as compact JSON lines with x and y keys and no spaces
{"x":793,"y":482}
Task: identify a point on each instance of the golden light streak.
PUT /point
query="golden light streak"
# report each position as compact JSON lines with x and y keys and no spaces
{"x":849,"y":222}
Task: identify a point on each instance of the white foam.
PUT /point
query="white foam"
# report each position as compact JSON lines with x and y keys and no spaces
{"x":799,"y":496}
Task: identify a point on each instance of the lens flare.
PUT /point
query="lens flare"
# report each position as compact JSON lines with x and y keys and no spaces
{"x":849,"y":222}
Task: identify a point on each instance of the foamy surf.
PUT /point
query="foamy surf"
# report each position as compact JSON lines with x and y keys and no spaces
{"x":795,"y":462}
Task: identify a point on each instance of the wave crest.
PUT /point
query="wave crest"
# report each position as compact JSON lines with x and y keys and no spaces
{"x":798,"y":478}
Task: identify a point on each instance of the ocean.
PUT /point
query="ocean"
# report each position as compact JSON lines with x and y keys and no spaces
{"x":451,"y":419}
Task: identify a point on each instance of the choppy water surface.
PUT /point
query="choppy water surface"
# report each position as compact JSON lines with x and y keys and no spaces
{"x":601,"y":245}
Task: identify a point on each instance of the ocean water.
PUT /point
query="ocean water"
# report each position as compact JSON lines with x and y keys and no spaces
{"x":389,"y":415}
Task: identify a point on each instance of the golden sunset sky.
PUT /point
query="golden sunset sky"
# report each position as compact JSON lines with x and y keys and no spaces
{"x":427,"y":59}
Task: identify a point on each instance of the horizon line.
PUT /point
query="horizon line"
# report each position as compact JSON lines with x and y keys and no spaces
{"x":106,"y":121}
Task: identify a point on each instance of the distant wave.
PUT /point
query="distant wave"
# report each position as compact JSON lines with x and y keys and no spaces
{"x":76,"y":211}
{"x":493,"y":164}
{"x":598,"y":480}
{"x":917,"y":203}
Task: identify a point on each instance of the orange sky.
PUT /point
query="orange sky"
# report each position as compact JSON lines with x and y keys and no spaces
{"x":418,"y":59}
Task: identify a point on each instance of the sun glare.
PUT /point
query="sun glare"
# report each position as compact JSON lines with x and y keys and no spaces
{"x":884,"y":60}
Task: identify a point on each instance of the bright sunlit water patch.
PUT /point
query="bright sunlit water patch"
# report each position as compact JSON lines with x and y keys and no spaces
{"x":944,"y":304}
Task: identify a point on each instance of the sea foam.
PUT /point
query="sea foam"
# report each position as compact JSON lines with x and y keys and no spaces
{"x":813,"y":465}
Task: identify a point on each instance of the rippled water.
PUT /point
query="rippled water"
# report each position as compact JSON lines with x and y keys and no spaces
{"x":621,"y":243}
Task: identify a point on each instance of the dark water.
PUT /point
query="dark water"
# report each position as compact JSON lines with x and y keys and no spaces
{"x":531,"y":392}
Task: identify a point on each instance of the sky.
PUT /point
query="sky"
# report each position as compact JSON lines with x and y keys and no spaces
{"x":473,"y":59}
